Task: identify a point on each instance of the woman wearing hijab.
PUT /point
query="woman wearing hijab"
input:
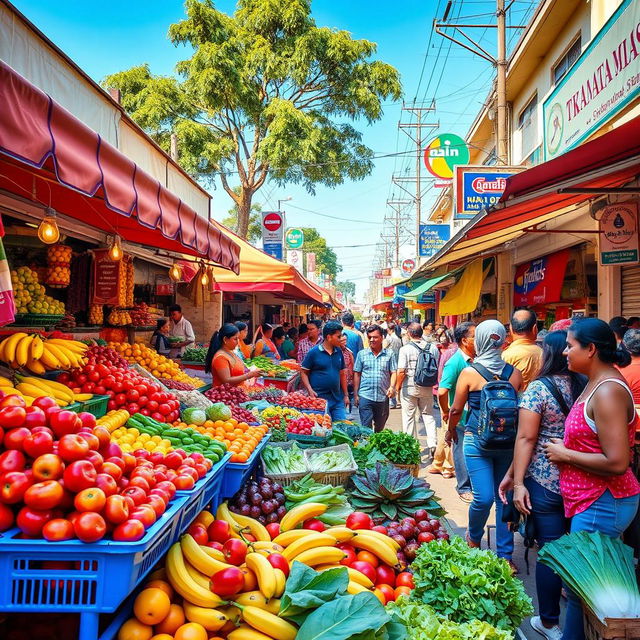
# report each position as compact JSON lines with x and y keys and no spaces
{"x":487,"y":467}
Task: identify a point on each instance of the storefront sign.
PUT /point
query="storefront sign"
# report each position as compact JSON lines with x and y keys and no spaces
{"x":294,"y":258}
{"x":106,"y":278}
{"x":619,"y":233}
{"x":604,"y":79}
{"x":540,"y":281}
{"x":443,"y":154}
{"x":273,"y":249}
{"x":408,"y":266}
{"x":294,"y":238}
{"x":382,"y":274}
{"x":478,"y":188}
{"x":387,"y":292}
{"x":311,"y":262}
{"x":432,"y":238}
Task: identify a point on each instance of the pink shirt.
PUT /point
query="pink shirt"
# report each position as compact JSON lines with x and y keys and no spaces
{"x":580,"y":489}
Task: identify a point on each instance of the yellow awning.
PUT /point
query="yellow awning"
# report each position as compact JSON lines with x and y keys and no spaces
{"x":464,"y":295}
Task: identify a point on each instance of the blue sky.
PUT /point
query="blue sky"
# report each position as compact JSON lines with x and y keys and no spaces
{"x":104,"y":37}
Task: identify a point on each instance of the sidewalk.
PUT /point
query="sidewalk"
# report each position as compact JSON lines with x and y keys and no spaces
{"x":457,"y":515}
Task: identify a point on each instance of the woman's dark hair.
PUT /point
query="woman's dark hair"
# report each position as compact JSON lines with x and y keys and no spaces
{"x":227,"y":330}
{"x":292,"y":333}
{"x":160,"y":322}
{"x":278,"y":333}
{"x":619,"y":326}
{"x":598,"y":333}
{"x":554,"y":362}
{"x":241,"y":325}
{"x":266,"y":327}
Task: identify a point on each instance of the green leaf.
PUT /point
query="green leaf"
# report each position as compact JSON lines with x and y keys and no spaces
{"x":343,"y":618}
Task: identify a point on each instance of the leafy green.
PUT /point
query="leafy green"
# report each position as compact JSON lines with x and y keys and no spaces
{"x":398,"y":447}
{"x":599,"y":569}
{"x":466,"y":584}
{"x":308,"y":490}
{"x":423,"y":623}
{"x":331,"y":460}
{"x":358,"y":616}
{"x":278,"y":460}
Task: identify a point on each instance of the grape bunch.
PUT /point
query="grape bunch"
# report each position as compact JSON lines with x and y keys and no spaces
{"x":228,"y":394}
{"x":175,"y":384}
{"x":105,"y":355}
{"x":270,"y":394}
{"x":262,"y":499}
{"x":243,"y":415}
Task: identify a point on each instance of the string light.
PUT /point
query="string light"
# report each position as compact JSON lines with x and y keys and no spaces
{"x":175,"y":272}
{"x":115,"y":250}
{"x":204,"y":278}
{"x":48,"y":231}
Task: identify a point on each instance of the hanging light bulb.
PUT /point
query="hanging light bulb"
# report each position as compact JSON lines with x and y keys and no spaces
{"x":48,"y":231}
{"x":115,"y":250}
{"x":175,"y":272}
{"x":204,"y":277}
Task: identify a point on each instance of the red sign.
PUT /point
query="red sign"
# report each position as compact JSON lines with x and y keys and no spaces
{"x":540,"y":281}
{"x":272,"y":221}
{"x":106,"y":278}
{"x":408,"y":265}
{"x":387,"y":292}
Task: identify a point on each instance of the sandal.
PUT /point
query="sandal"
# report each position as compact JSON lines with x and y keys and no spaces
{"x":448,"y":474}
{"x":470,"y":542}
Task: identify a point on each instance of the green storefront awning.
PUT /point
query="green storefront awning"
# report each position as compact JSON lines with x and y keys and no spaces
{"x":426,"y":286}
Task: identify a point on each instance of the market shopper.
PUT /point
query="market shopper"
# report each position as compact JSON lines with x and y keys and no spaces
{"x":355,"y":340}
{"x":523,"y":352}
{"x":464,"y":337}
{"x":631,"y":372}
{"x":534,"y":480}
{"x":416,"y":401}
{"x":349,"y":362}
{"x":374,"y":380}
{"x":287,"y":349}
{"x":393,"y":341}
{"x":264,"y":344}
{"x":312,"y":339}
{"x":598,"y":487}
{"x":159,"y":339}
{"x":323,"y":374}
{"x":225,"y":366}
{"x":180,"y":328}
{"x":487,"y":467}
{"x":244,"y":350}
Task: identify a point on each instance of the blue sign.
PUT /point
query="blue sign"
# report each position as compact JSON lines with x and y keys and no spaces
{"x":400,"y":290}
{"x":478,"y":189}
{"x":432,"y":238}
{"x":273,"y":249}
{"x":427,"y":298}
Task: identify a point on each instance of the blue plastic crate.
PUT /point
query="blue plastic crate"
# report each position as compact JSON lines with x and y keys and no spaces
{"x":236,"y":473}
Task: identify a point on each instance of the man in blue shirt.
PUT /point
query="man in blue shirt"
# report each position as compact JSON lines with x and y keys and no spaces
{"x":354,"y":338}
{"x":374,"y":380}
{"x":323,"y":374}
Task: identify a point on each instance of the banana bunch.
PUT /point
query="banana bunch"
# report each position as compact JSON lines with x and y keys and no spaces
{"x":31,"y":351}
{"x":30,"y":388}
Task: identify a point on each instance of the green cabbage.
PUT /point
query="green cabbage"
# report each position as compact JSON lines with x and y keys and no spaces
{"x":193,"y":415}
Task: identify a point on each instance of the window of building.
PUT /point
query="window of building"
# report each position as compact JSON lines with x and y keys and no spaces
{"x":492,"y":158}
{"x":566,"y":62}
{"x":528,"y":126}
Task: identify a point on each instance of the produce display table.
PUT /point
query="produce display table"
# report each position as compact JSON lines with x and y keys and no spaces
{"x":237,"y":473}
{"x":286,"y":384}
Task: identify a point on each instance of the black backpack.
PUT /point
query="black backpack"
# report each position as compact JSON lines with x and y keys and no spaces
{"x":498,"y":421}
{"x":426,"y":374}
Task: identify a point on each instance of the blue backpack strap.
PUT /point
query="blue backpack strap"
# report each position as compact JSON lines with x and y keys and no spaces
{"x":507,"y":372}
{"x":483,"y":371}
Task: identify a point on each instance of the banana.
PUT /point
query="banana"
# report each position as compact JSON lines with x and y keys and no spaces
{"x":202,"y":561}
{"x":37,"y":348}
{"x":216,"y":554}
{"x":311,"y":540}
{"x":28,"y":400}
{"x":341,"y":534}
{"x":321,"y":555}
{"x":245,"y":632}
{"x":36,"y":392}
{"x":36,"y":366}
{"x":23,"y":350}
{"x":289,"y":537}
{"x":9,"y":346}
{"x":258,"y":530}
{"x":383,"y":551}
{"x":281,"y":583}
{"x":49,"y":359}
{"x":198,"y":577}
{"x":223,"y":513}
{"x":182,"y":582}
{"x":272,"y":547}
{"x":269,"y":623}
{"x":380,"y":536}
{"x":265,"y":574}
{"x":256,"y":599}
{"x":300,"y":513}
{"x":82,"y":397}
{"x":206,"y":518}
{"x":72,"y":345}
{"x":5,"y":382}
{"x":210,"y":619}
{"x":58,"y":353}
{"x":49,"y":386}
{"x":354,"y":587}
{"x":354,"y":576}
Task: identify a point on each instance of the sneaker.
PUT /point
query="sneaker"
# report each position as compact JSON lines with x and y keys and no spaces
{"x":467,"y":496}
{"x":553,"y":633}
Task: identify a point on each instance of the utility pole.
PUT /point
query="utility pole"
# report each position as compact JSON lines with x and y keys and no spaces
{"x":399,"y":235}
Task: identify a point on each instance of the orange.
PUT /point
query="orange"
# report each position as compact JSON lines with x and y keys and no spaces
{"x":378,"y":594}
{"x":151,"y":606}
{"x":250,"y":580}
{"x":402,"y":591}
{"x":191,"y":631}
{"x":133,"y":629}
{"x":162,"y":636}
{"x":162,"y":585}
{"x":175,"y":618}
{"x":368,"y":557}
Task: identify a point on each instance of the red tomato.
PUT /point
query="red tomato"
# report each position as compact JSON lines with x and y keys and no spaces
{"x":14,"y":438}
{"x":44,"y":495}
{"x":365,"y":568}
{"x":12,"y":416}
{"x":128,"y":531}
{"x":92,"y":499}
{"x":184,"y":483}
{"x":89,"y":527}
{"x":405,"y":579}
{"x":278,"y":561}
{"x":144,"y":513}
{"x":235,"y":551}
{"x":72,"y":447}
{"x":64,"y":422}
{"x":38,"y":443}
{"x":351,"y":554}
{"x":359,"y":520}
{"x":13,"y":486}
{"x":12,"y":461}
{"x":79,"y":475}
{"x":227,"y":582}
{"x":116,"y":509}
{"x":137,"y":494}
{"x":219,"y":531}
{"x":385,"y":575}
{"x":6,"y":517}
{"x":314,"y":524}
{"x":274,"y":529}
{"x":112,"y":469}
{"x":199,"y":533}
{"x":30,"y":521}
{"x":158,"y":504}
{"x":388,"y":592}
{"x":58,"y":529}
{"x":47,"y":467}
{"x":105,"y":482}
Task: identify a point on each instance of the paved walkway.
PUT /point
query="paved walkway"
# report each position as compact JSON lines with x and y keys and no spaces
{"x":457,"y":514}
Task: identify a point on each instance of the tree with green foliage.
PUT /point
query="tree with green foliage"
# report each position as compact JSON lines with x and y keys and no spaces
{"x":326,"y":259}
{"x":254,"y":231}
{"x":265,"y":93}
{"x":348,"y":289}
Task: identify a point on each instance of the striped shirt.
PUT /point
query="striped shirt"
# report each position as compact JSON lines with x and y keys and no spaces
{"x":375,"y":373}
{"x":304,"y":346}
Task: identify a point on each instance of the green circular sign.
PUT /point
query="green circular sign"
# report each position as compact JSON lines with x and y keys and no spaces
{"x":294,"y":238}
{"x":444,"y":153}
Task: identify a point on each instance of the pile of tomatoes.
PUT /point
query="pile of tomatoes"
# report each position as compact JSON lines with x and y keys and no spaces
{"x":300,"y":400}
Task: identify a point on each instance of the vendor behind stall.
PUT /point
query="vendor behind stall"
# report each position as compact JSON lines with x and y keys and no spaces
{"x":222,"y":362}
{"x":244,"y":350}
{"x":160,"y":338}
{"x":180,"y":328}
{"x":264,"y":342}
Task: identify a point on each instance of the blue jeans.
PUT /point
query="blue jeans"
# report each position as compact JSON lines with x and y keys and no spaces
{"x":373,"y":413}
{"x":610,"y":516}
{"x":336,"y":409}
{"x":547,"y":513}
{"x":486,"y":470}
{"x":463,"y":483}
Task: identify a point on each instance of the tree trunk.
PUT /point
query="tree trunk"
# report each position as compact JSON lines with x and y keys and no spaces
{"x":244,"y":213}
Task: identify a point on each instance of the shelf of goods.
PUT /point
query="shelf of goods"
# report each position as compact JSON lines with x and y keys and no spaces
{"x":286,"y":384}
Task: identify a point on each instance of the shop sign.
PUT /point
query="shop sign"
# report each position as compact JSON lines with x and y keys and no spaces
{"x":272,"y":227}
{"x":387,"y":292}
{"x":408,"y":266}
{"x":432,"y":238}
{"x":294,"y":238}
{"x":443,"y":154}
{"x":274,"y":249}
{"x":311,"y":262}
{"x":478,"y":188}
{"x":604,"y":79}
{"x":106,"y":278}
{"x":619,"y":233}
{"x":294,"y":258}
{"x":381,"y":274}
{"x":540,"y":281}
{"x":427,"y":298}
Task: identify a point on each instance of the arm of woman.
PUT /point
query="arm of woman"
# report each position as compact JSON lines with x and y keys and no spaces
{"x":222,"y":367}
{"x":610,"y":405}
{"x":528,"y":430}
{"x":459,"y":402}
{"x":257,"y":351}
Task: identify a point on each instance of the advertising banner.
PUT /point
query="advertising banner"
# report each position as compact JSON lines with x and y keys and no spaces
{"x":294,"y":258}
{"x":311,"y":262}
{"x":478,"y":188}
{"x":274,"y":249}
{"x":443,"y":154}
{"x":387,"y":292}
{"x":294,"y":238}
{"x":106,"y":278}
{"x":432,"y":238}
{"x":604,"y":79}
{"x":540,"y":281}
{"x":619,"y":233}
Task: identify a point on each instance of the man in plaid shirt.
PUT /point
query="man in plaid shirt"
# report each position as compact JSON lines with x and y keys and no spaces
{"x":313,"y":338}
{"x":374,"y":380}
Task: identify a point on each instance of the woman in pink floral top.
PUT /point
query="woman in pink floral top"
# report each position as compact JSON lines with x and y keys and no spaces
{"x":349,"y":362}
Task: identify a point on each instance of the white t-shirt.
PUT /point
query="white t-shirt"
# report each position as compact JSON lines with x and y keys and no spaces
{"x":182,"y":329}
{"x":408,"y":359}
